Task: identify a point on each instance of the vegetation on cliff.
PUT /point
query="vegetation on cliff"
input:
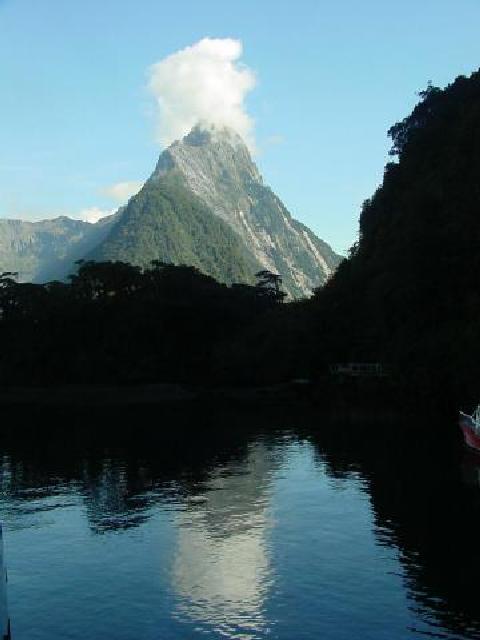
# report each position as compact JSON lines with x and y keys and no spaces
{"x":409,"y":293}
{"x":166,"y":221}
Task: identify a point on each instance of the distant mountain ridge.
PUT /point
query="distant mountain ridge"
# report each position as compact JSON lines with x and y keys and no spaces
{"x":205,"y":205}
{"x":47,"y":250}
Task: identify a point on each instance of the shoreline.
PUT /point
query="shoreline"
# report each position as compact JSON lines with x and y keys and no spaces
{"x":146,"y":394}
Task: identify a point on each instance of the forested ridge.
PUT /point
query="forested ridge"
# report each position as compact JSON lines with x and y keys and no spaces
{"x":409,"y":293}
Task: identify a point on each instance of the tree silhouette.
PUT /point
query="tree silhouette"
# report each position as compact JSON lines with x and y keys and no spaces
{"x":269,"y":283}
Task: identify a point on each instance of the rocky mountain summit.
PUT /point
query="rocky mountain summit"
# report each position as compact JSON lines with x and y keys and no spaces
{"x":211,"y":171}
{"x":205,"y":205}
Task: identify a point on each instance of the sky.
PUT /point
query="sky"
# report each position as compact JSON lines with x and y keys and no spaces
{"x":90,"y":94}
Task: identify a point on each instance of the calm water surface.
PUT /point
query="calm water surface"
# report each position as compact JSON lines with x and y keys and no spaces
{"x":238,"y":526}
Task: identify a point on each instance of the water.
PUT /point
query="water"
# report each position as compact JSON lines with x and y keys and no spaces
{"x":238,"y":525}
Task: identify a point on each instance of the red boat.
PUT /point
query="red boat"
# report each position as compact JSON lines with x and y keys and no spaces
{"x":470,"y":426}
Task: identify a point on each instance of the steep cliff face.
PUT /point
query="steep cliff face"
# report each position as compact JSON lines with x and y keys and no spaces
{"x":47,"y":250}
{"x":217,"y":167}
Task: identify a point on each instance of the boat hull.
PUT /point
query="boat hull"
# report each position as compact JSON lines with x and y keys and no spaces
{"x":471,"y":436}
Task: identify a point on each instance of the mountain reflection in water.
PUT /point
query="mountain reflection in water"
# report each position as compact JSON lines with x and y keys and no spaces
{"x":238,"y":525}
{"x":222,"y":570}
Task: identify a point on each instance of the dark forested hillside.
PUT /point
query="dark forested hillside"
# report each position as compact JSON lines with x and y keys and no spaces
{"x":118,"y":323}
{"x":409,"y":294}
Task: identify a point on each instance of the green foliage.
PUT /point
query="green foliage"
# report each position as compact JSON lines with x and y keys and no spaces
{"x":167,"y":222}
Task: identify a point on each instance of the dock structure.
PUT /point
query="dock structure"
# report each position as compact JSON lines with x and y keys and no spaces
{"x":358,"y":370}
{"x":4,"y":618}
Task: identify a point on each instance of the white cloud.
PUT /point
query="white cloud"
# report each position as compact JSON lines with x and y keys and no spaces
{"x":122,"y":191}
{"x":92,"y":214}
{"x":203,"y":83}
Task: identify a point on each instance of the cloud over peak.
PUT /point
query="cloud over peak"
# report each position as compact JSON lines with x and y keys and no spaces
{"x":204,"y":82}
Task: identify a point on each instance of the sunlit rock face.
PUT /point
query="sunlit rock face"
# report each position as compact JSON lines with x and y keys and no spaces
{"x":216,"y":165}
{"x":221,"y":570}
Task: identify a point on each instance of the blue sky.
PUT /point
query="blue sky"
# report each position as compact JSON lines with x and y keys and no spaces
{"x":76,"y":116}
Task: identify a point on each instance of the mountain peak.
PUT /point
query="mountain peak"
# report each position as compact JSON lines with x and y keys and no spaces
{"x":215,"y":164}
{"x":207,"y":153}
{"x":205,"y":133}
